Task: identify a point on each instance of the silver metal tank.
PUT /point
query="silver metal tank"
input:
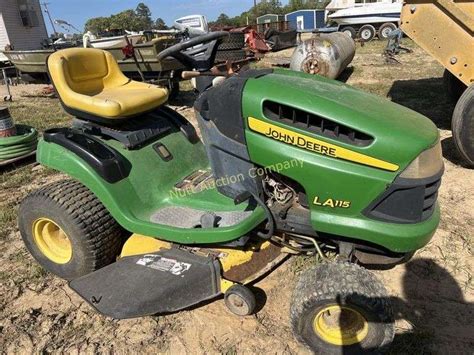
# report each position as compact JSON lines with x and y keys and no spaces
{"x":325,"y":54}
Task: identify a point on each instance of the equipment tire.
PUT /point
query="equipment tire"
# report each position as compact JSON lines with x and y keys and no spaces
{"x":347,"y":290}
{"x":68,"y":230}
{"x":240,"y":300}
{"x":367,"y":33}
{"x":463,"y":125}
{"x":350,"y":31}
{"x":385,"y":30}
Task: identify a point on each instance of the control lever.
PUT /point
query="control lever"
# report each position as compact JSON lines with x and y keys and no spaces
{"x":225,"y":70}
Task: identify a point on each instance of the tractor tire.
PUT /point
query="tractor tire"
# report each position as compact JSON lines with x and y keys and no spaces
{"x":454,"y":86}
{"x":68,"y":230}
{"x":330,"y":292}
{"x":367,"y":33}
{"x":463,"y":125}
{"x":234,"y":41}
{"x":235,"y":55}
{"x":350,"y":31}
{"x":385,"y":30}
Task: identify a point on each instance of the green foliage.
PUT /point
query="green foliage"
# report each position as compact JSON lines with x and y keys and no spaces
{"x":126,"y":20}
{"x":139,"y":19}
{"x":160,"y":24}
{"x":143,"y":14}
{"x":97,"y":24}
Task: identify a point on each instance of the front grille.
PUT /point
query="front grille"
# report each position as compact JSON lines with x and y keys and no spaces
{"x":429,"y":202}
{"x":406,"y":201}
{"x":314,"y":123}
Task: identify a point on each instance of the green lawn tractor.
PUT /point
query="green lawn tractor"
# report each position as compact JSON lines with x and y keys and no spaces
{"x":154,"y":220}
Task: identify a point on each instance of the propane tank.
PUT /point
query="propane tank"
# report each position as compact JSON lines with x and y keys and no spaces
{"x":7,"y":127}
{"x":326,"y":54}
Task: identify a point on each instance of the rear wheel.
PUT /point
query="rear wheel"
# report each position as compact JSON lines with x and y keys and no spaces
{"x":386,"y":29}
{"x":350,"y":31}
{"x":367,"y":33}
{"x":341,"y":308}
{"x":68,"y":230}
{"x":463,"y":125}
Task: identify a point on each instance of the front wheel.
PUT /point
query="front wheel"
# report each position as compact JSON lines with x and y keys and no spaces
{"x":341,"y":308}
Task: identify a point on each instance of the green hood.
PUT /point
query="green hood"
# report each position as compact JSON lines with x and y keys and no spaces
{"x":399,"y":133}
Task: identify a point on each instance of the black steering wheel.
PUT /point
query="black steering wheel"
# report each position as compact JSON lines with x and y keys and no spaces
{"x":201,"y":58}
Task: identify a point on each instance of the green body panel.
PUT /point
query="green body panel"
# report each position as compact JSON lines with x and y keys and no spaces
{"x":150,"y":186}
{"x":400,"y":136}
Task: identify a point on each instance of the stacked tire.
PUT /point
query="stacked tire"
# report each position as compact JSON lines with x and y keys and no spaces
{"x":232,"y":48}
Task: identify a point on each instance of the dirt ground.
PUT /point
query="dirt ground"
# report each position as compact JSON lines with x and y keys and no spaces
{"x":433,"y":294}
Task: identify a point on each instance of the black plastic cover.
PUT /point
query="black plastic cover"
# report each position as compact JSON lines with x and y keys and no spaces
{"x":156,"y":283}
{"x":106,"y":161}
{"x":223,"y":104}
{"x":407,"y":200}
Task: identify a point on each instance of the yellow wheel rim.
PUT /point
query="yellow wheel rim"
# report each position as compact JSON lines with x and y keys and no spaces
{"x":339,"y":325}
{"x":52,"y":241}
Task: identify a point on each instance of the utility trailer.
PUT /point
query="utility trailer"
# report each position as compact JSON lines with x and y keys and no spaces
{"x":445,"y":29}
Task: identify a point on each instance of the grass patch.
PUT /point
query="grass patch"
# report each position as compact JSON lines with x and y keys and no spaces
{"x":40,"y":113}
{"x":8,"y":213}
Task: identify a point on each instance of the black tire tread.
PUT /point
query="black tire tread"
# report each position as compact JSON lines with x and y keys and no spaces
{"x":101,"y":233}
{"x":462,"y":127}
{"x":328,"y":280}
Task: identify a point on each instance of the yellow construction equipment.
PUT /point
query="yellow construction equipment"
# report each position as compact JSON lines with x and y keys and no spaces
{"x":445,"y":29}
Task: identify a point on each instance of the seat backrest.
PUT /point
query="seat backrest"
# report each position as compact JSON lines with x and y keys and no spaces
{"x":84,"y":71}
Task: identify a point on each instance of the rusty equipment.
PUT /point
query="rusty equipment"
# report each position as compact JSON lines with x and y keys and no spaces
{"x":445,"y":29}
{"x":324,"y":54}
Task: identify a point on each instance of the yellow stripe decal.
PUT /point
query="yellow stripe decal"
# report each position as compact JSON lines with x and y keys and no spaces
{"x":315,"y":145}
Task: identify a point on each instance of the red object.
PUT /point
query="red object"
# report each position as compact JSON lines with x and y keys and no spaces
{"x":128,"y":51}
{"x":255,"y":42}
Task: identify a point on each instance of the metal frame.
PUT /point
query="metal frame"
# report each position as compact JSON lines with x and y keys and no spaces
{"x":445,"y":29}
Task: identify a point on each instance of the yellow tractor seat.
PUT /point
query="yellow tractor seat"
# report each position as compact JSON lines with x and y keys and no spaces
{"x":91,"y":86}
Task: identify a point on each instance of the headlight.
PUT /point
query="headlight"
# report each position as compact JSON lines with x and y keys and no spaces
{"x":427,"y":164}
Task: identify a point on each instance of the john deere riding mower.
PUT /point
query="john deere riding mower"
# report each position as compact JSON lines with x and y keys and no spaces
{"x":154,"y":220}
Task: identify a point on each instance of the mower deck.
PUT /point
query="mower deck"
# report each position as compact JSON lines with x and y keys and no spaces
{"x":165,"y":281}
{"x":155,"y":277}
